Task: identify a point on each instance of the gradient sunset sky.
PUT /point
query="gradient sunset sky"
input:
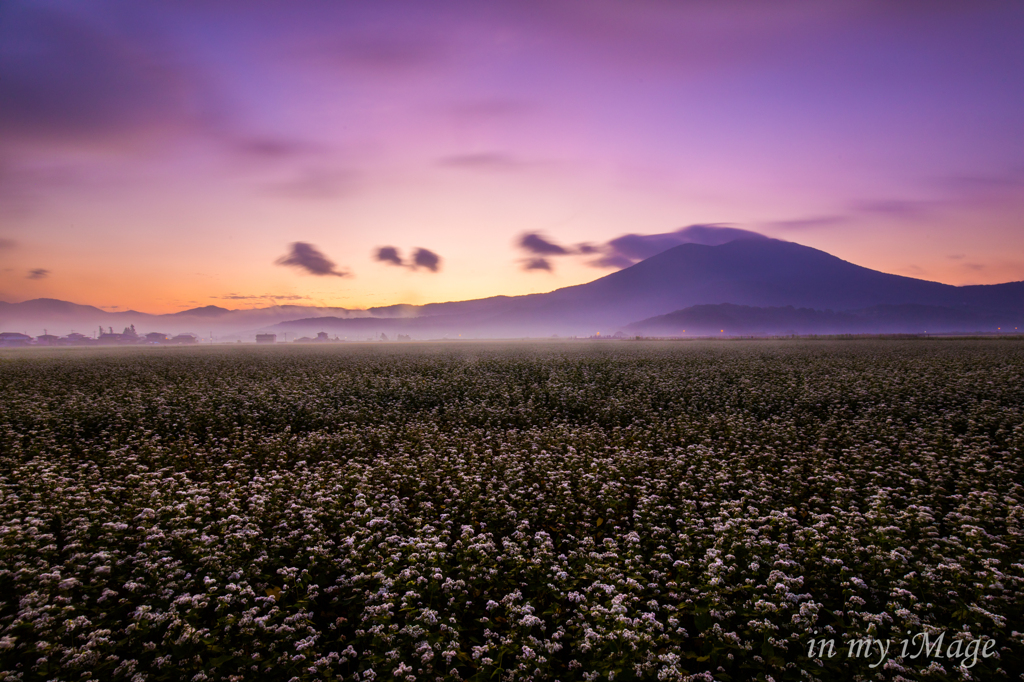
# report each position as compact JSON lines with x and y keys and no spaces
{"x":166,"y":155}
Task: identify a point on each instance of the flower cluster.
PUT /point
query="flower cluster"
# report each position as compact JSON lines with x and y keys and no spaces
{"x":670,"y":511}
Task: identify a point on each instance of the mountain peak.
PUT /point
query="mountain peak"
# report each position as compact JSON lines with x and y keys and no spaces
{"x":204,"y":311}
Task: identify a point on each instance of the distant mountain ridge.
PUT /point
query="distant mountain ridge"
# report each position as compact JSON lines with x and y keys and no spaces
{"x":761,"y":273}
{"x":61,"y":317}
{"x":774,"y":286}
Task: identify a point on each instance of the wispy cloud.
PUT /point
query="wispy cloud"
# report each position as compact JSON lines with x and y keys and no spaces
{"x":490,"y":109}
{"x":379,"y":54}
{"x":65,"y":81}
{"x":632,"y":248}
{"x":895,"y":208}
{"x":271,"y":297}
{"x":484,"y":161}
{"x":809,"y":223}
{"x":273,"y":148}
{"x":6,"y":244}
{"x":38,"y":273}
{"x":628,"y":249}
{"x":534,"y":242}
{"x":308,"y":258}
{"x":537,"y":264}
{"x":315,"y":183}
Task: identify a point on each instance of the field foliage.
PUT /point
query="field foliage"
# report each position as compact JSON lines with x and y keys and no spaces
{"x":591,"y":511}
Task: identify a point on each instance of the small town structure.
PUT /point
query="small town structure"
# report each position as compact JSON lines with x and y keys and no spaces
{"x":14,"y":339}
{"x":266,"y":338}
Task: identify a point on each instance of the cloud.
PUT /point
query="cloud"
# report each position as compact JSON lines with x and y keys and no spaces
{"x":66,"y":81}
{"x":424,"y":258}
{"x":630,"y":248}
{"x":896,"y":208}
{"x":38,"y":273}
{"x":315,"y":183}
{"x":537,"y":264}
{"x":308,"y":258}
{"x":379,"y":55}
{"x":7,"y":244}
{"x":249,"y":297}
{"x":421,"y":258}
{"x":272,"y":148}
{"x":484,"y":161}
{"x":533,"y":242}
{"x":389,"y":254}
{"x":809,"y":223}
{"x":489,"y":109}
{"x":1012,"y":179}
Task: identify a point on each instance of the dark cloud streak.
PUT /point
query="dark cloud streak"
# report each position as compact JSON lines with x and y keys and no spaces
{"x":636,"y":247}
{"x":250,"y":297}
{"x":628,"y":249}
{"x":534,"y":243}
{"x":484,"y":161}
{"x":308,"y":258}
{"x":537,"y":264}
{"x":316,"y":183}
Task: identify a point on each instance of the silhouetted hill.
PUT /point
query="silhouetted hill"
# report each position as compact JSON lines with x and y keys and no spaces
{"x":795,"y":284}
{"x":765,"y":273}
{"x":761,"y":273}
{"x":61,"y":317}
{"x":205,"y":311}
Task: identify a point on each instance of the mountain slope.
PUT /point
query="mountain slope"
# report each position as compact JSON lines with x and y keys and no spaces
{"x":741,"y":320}
{"x":755,"y":273}
{"x":759,"y":273}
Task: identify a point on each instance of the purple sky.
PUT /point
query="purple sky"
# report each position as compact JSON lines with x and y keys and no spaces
{"x":165,"y":155}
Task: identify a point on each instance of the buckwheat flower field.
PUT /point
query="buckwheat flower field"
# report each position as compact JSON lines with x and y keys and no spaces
{"x":563,"y":511}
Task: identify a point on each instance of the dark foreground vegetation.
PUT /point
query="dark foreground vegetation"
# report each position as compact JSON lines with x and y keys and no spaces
{"x":497,"y":512}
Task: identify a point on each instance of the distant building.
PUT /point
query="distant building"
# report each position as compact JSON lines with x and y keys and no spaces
{"x":266,"y":338}
{"x":14,"y":339}
{"x":110,"y":338}
{"x":321,"y":337}
{"x":184,"y":339}
{"x":156,"y":337}
{"x":76,"y":339}
{"x":47,"y":340}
